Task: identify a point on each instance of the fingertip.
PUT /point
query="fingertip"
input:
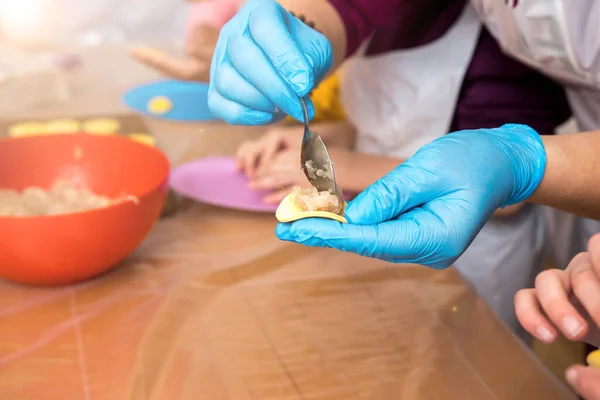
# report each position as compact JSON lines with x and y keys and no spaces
{"x":585,"y":380}
{"x":298,"y":113}
{"x":349,"y":212}
{"x":300,"y":231}
{"x":319,"y":232}
{"x":305,"y":231}
{"x":545,"y":334}
{"x":574,"y":327}
{"x":358,"y":213}
{"x":236,"y":114}
{"x":529,"y":315}
{"x":572,"y":375}
{"x":301,"y":81}
{"x":283,"y":231}
{"x":380,"y":202}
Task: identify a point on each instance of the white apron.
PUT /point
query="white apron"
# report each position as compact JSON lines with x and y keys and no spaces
{"x":402,"y":100}
{"x":560,"y":38}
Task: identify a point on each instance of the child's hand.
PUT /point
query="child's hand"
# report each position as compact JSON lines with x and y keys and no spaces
{"x":255,"y":155}
{"x":585,"y":380}
{"x":200,"y":46}
{"x":280,"y":175}
{"x":284,"y":172}
{"x":567,"y":301}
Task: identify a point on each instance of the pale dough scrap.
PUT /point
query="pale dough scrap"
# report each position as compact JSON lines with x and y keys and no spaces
{"x":160,"y":105}
{"x":62,"y":126}
{"x":101,"y":126}
{"x":143,"y":138}
{"x":27,"y":129}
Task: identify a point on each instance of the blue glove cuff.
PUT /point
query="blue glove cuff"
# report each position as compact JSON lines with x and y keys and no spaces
{"x":526,"y":149}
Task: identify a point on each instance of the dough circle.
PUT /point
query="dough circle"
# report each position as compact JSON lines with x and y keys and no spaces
{"x":26,"y":129}
{"x":159,"y":105}
{"x":101,"y":126}
{"x":143,"y":138}
{"x":62,"y":126}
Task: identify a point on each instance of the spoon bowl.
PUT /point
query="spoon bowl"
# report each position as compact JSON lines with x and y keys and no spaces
{"x":315,"y":161}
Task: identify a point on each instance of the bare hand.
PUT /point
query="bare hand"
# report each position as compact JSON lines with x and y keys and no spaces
{"x":567,"y":301}
{"x":280,"y":176}
{"x":585,"y":380}
{"x":255,"y":155}
{"x":200,"y":46}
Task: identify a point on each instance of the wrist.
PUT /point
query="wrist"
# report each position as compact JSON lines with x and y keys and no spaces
{"x":527,"y":154}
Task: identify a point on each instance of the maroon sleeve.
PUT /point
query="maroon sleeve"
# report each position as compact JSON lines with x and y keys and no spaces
{"x":361,"y":17}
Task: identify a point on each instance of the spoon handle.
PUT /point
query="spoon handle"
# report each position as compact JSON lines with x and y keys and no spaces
{"x":305,"y":112}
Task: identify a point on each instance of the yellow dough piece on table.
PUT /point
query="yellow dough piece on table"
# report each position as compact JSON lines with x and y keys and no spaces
{"x":593,"y":359}
{"x":62,"y":126}
{"x":143,"y":138}
{"x":27,"y":129}
{"x":101,"y":126}
{"x":159,"y":105}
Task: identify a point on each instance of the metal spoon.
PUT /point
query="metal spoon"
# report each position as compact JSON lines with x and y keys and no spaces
{"x":315,"y":160}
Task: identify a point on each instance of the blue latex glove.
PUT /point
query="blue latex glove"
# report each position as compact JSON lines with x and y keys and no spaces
{"x":430,"y":208}
{"x":265,"y":58}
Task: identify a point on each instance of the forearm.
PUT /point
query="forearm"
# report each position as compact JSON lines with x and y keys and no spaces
{"x":570,"y":181}
{"x":357,"y":171}
{"x":326,"y":20}
{"x":338,"y":134}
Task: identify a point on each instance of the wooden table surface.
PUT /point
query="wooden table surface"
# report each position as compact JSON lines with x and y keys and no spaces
{"x":212,"y":306}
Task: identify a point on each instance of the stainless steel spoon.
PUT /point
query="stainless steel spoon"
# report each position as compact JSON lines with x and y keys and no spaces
{"x":315,"y":160}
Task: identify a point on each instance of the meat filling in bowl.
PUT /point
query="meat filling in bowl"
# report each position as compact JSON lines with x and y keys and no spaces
{"x":313,"y":200}
{"x":64,"y":197}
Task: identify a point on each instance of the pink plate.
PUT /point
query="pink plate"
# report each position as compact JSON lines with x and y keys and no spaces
{"x":216,"y":181}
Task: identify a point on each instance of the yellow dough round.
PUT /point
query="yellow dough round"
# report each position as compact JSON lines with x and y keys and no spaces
{"x":62,"y":126}
{"x":593,"y":359}
{"x":27,"y":129}
{"x":143,"y":138}
{"x":101,"y":126}
{"x":159,"y":105}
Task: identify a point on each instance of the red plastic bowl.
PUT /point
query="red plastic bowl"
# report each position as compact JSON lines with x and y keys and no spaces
{"x":62,"y":249}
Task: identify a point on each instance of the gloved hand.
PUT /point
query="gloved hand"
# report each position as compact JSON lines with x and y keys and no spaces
{"x":265,"y":58}
{"x":430,"y":208}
